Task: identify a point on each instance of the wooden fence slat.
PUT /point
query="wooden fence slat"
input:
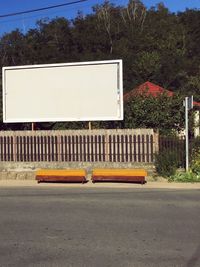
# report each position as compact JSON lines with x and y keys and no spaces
{"x":143,"y":148}
{"x":114,"y":150}
{"x":151,"y":150}
{"x":84,"y":148}
{"x":62,"y":148}
{"x":88,"y":148}
{"x":80,"y":148}
{"x":139,"y":148}
{"x":122,"y":148}
{"x":99,"y":156}
{"x":126,"y":154}
{"x":118,"y":152}
{"x":135,"y":148}
{"x":92,"y":148}
{"x":77,"y":148}
{"x":147,"y":146}
{"x":105,"y":148}
{"x":109,"y":149}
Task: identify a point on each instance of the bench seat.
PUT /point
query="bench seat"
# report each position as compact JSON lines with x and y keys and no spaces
{"x":73,"y":175}
{"x":119,"y":175}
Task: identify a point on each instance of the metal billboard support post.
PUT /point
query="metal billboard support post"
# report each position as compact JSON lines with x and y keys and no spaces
{"x":90,"y":125}
{"x":32,"y":126}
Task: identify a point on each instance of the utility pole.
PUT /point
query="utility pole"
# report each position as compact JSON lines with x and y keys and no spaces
{"x":186,"y":136}
{"x":188,"y":103}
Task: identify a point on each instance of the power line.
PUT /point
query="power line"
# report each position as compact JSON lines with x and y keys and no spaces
{"x":28,"y":17}
{"x":54,"y":12}
{"x":41,"y":9}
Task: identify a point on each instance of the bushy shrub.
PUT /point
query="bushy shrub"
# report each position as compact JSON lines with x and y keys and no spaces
{"x":195,"y":168}
{"x":166,"y":163}
{"x":185,"y":177}
{"x":193,"y":175}
{"x":195,"y":163}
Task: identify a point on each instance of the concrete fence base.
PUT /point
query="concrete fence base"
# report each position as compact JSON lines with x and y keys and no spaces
{"x":26,"y":171}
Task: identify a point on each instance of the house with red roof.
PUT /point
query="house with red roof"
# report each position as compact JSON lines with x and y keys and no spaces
{"x":147,"y":88}
{"x":151,"y":89}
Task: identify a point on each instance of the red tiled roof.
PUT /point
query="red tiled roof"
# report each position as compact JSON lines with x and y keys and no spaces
{"x":152,"y":89}
{"x":147,"y":88}
{"x":197,"y":104}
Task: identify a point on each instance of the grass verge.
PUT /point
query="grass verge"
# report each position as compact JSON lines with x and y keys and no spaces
{"x":185,"y":177}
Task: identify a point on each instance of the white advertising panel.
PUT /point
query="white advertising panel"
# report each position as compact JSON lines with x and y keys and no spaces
{"x":86,"y":91}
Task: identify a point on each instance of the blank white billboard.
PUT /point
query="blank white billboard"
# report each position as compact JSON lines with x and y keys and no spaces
{"x":86,"y":91}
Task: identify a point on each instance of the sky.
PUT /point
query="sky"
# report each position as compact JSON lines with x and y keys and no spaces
{"x":25,"y":22}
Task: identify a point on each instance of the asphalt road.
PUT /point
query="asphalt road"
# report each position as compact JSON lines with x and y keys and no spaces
{"x":99,"y":227}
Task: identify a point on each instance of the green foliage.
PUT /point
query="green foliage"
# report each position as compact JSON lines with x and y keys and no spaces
{"x":185,"y":177}
{"x":155,"y":45}
{"x":195,"y":167}
{"x":160,"y":112}
{"x":195,"y":162}
{"x":148,"y":65}
{"x":192,"y":85}
{"x":193,"y":175}
{"x":166,"y":163}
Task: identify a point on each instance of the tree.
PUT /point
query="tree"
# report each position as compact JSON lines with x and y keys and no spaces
{"x":155,"y":45}
{"x":12,"y":49}
{"x":161,"y":112}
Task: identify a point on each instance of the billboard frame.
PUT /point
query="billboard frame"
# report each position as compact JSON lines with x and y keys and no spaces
{"x":48,"y":119}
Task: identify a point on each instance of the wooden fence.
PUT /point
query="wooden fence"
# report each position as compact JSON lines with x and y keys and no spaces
{"x":175,"y":145}
{"x":77,"y":146}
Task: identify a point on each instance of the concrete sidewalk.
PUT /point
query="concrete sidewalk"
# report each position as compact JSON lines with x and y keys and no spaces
{"x":150,"y":185}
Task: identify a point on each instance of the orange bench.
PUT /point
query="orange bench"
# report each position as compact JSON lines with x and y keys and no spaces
{"x":119,"y":175}
{"x":75,"y":175}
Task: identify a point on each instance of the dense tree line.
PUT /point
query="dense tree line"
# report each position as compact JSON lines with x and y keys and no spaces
{"x":155,"y":45}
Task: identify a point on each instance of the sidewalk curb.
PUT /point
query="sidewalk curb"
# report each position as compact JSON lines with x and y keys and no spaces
{"x":89,"y":184}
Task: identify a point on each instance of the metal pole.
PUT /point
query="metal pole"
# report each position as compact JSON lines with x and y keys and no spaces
{"x":32,"y":126}
{"x":90,"y":125}
{"x":186,"y":136}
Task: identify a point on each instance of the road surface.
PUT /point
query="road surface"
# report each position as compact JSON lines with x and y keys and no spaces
{"x":99,"y":227}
